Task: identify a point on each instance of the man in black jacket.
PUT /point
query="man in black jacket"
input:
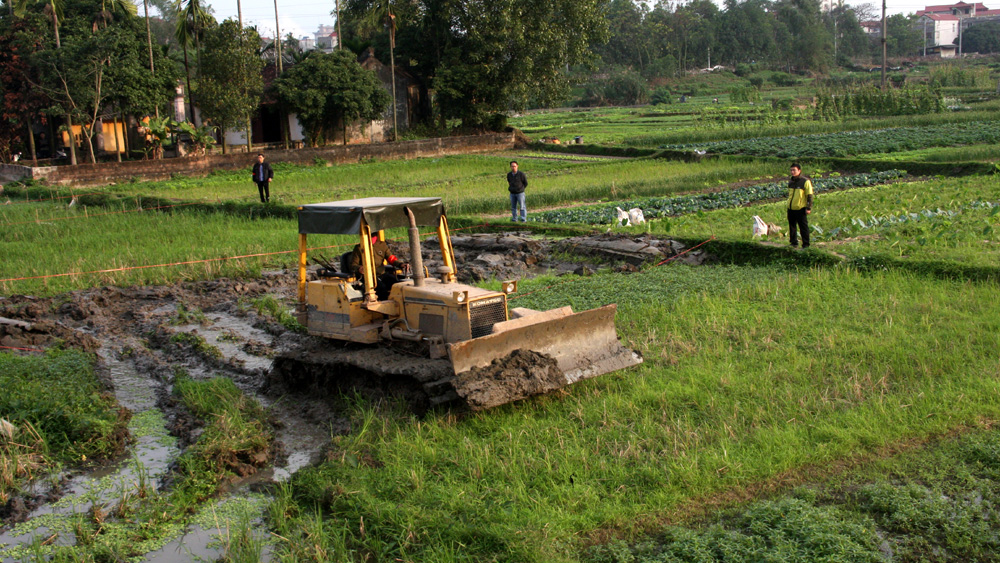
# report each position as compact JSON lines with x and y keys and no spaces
{"x":516,"y":183}
{"x":262,"y":175}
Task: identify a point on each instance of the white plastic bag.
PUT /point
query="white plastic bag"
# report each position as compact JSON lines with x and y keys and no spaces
{"x":759,"y":227}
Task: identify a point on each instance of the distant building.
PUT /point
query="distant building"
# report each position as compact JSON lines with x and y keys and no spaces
{"x":873,"y":28}
{"x":307,"y":43}
{"x":829,"y":5}
{"x":326,"y":38}
{"x":943,"y":25}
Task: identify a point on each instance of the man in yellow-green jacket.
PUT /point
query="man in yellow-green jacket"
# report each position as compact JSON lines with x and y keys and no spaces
{"x":800,"y":202}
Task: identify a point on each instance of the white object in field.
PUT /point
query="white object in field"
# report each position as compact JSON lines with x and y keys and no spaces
{"x":72,"y":202}
{"x":635,"y":216}
{"x":759,"y":227}
{"x":622,"y":216}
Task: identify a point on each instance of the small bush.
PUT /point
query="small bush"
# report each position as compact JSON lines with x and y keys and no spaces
{"x":661,"y":96}
{"x":743,"y":70}
{"x":783,"y":79}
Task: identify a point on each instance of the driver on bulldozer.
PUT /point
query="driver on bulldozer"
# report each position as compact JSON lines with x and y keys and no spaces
{"x":382,"y":256}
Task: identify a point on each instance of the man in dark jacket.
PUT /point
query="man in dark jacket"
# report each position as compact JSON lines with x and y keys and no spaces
{"x":262,"y":175}
{"x":800,"y":201}
{"x":516,"y":183}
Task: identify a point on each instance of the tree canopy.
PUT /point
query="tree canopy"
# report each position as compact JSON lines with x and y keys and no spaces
{"x":232,"y":75}
{"x":327,"y":90}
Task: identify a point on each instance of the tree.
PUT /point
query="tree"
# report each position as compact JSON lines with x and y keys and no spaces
{"x":73,"y":77}
{"x":21,"y":103}
{"x":231,"y":85}
{"x":327,"y":90}
{"x":628,"y":43}
{"x":982,"y":38}
{"x":745,"y":32}
{"x":807,"y":43}
{"x":902,"y":39}
{"x":486,"y":58}
{"x":382,"y":13}
{"x":192,"y":21}
{"x":54,"y":10}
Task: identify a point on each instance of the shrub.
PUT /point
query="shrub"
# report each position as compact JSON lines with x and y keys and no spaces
{"x":756,"y":81}
{"x":743,"y":93}
{"x":743,"y":69}
{"x":783,"y":79}
{"x":661,"y":96}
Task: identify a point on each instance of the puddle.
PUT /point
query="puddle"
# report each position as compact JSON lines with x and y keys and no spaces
{"x":103,"y":488}
{"x":218,"y":528}
{"x":231,"y":336}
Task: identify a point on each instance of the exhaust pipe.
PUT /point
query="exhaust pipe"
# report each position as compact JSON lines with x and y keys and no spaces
{"x":416,"y":260}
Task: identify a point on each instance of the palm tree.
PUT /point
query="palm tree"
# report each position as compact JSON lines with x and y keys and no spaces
{"x":381,"y":12}
{"x":54,"y":8}
{"x":109,"y":7}
{"x":192,"y":19}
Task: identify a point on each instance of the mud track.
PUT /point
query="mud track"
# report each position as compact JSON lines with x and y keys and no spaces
{"x":210,"y":328}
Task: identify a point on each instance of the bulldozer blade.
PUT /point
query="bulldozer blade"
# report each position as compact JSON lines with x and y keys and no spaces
{"x":583,"y":345}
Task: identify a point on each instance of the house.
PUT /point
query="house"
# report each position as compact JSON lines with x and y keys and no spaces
{"x":942,"y":25}
{"x":939,"y":29}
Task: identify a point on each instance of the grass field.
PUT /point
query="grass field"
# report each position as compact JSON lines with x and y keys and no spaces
{"x":766,"y":370}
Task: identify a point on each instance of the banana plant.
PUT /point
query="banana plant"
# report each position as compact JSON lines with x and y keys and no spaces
{"x":201,"y":137}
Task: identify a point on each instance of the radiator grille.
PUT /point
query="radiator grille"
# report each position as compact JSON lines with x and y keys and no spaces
{"x":485,"y":313}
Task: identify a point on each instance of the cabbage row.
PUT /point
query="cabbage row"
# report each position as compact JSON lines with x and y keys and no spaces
{"x":850,"y":143}
{"x":654,"y":207}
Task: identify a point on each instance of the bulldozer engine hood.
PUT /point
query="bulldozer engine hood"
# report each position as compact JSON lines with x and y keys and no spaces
{"x":344,"y":217}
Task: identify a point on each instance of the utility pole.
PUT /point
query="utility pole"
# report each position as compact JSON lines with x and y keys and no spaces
{"x":925,"y":36}
{"x":884,"y":46}
{"x":239,"y":13}
{"x":340,"y":38}
{"x":960,"y":20}
{"x":709,"y":58}
{"x":277,"y":44}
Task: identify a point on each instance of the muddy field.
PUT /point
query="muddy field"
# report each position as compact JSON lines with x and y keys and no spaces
{"x":145,"y":336}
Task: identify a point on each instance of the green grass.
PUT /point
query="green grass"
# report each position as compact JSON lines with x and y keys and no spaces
{"x":749,"y":373}
{"x":989,"y":153}
{"x":935,"y":503}
{"x":55,"y":412}
{"x":969,"y":237}
{"x":856,"y":142}
{"x":40,"y":242}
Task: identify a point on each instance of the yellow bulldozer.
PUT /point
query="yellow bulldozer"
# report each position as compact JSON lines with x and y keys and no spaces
{"x":456,"y":343}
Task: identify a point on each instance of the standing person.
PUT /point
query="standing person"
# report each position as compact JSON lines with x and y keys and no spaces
{"x":516,"y":183}
{"x":800,"y":201}
{"x":262,"y":175}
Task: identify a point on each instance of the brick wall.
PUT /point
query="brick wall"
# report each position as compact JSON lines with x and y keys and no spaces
{"x":110,"y":172}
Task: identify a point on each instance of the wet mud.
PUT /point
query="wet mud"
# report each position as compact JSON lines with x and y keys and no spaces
{"x":144,"y":337}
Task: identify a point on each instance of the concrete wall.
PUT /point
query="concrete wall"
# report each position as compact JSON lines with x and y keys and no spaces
{"x":111,"y":172}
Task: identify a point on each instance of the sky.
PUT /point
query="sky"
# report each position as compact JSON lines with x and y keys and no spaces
{"x":303,"y":17}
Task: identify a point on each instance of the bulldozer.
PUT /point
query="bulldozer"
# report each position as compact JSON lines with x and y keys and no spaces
{"x":456,"y":344}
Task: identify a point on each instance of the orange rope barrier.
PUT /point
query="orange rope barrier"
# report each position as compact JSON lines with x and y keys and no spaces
{"x":22,"y":349}
{"x":189,"y":262}
{"x":98,"y":214}
{"x":54,"y":197}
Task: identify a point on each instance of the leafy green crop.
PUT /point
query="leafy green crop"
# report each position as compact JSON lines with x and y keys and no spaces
{"x":850,"y":143}
{"x":679,"y":205}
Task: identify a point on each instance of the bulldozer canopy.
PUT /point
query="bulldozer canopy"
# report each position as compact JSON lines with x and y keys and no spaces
{"x":344,"y":217}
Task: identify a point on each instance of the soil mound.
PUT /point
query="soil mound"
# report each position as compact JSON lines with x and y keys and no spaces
{"x":520,"y":374}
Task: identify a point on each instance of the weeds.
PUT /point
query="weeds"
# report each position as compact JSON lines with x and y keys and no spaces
{"x":269,"y":305}
{"x":198,"y":343}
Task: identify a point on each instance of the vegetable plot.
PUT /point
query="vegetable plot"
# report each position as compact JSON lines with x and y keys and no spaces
{"x":851,"y":143}
{"x":666,"y":206}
